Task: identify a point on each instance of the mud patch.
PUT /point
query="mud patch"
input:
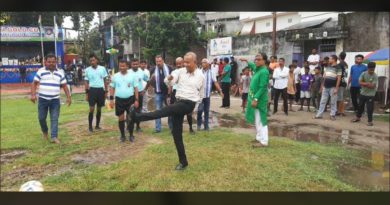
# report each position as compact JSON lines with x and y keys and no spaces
{"x":115,"y":153}
{"x":9,"y":155}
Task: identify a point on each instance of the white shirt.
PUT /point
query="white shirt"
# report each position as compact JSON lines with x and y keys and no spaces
{"x":50,"y":83}
{"x":147,"y":72}
{"x":313,"y":58}
{"x":298,"y":71}
{"x":211,"y":78}
{"x":215,"y":69}
{"x":189,"y":86}
{"x":281,"y":77}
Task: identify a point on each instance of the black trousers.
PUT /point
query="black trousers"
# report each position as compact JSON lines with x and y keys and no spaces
{"x":226,"y":94}
{"x":189,"y":115}
{"x":177,"y":111}
{"x":298,"y":93}
{"x":355,"y":92}
{"x":363,"y":101}
{"x":276,"y":99}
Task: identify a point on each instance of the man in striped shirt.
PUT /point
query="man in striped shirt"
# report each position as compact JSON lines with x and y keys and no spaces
{"x":204,"y":106}
{"x":50,"y":80}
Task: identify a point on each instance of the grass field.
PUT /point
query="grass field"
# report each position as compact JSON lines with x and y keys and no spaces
{"x":219,"y":160}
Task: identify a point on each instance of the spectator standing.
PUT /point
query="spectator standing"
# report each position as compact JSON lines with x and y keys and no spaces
{"x":315,"y":90}
{"x":369,"y":83}
{"x":291,"y":88}
{"x":313,"y":60}
{"x":353,"y":81}
{"x":280,"y":75}
{"x":226,"y":80}
{"x":330,"y":86}
{"x":244,"y":84}
{"x":343,"y":84}
{"x":306,"y":83}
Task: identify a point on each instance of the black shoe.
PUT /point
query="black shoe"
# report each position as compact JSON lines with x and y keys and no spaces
{"x":221,"y":106}
{"x":98,"y":128}
{"x":228,"y":107}
{"x":139,"y":129}
{"x":131,"y":138}
{"x":90,"y":130}
{"x":157,"y":131}
{"x":132,"y":113}
{"x":180,"y":167}
{"x":192,"y":131}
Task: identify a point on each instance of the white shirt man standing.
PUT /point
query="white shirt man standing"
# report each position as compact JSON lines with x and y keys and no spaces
{"x":281,"y":79}
{"x":313,"y":60}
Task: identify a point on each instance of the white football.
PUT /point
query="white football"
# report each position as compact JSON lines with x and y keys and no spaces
{"x":31,"y":186}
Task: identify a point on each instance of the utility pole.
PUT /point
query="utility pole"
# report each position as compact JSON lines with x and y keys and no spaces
{"x":274,"y":33}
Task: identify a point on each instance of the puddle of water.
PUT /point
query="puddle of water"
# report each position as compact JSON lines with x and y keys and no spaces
{"x":9,"y":155}
{"x":367,"y":178}
{"x":374,"y":176}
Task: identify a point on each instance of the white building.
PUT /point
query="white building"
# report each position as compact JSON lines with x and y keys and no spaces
{"x":262,"y":22}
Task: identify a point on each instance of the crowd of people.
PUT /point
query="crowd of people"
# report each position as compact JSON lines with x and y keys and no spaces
{"x":185,"y":88}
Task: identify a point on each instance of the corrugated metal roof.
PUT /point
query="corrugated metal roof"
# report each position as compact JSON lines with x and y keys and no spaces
{"x":307,"y":24}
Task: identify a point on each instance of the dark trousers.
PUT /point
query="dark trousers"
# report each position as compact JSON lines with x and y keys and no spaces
{"x":276,"y":99}
{"x":366,"y":101}
{"x":170,"y":118}
{"x":140,"y":103}
{"x":177,"y":111}
{"x":298,"y":93}
{"x":355,"y":92}
{"x":226,"y":94}
{"x":204,"y":107}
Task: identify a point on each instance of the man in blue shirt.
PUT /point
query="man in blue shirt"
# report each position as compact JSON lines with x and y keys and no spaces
{"x":139,"y":76}
{"x":353,"y":81}
{"x":96,"y":84}
{"x":125,"y":88}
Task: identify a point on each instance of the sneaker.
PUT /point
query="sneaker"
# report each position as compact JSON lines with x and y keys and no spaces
{"x":90,"y":130}
{"x":98,"y":128}
{"x":56,"y":141}
{"x":333,"y":118}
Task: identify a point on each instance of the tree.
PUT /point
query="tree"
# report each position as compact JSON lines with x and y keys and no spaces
{"x":31,"y":18}
{"x":166,"y":33}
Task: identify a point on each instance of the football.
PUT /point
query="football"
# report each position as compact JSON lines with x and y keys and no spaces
{"x":31,"y":186}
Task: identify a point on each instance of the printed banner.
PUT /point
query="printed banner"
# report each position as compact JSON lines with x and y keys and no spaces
{"x":221,"y":46}
{"x":16,"y":33}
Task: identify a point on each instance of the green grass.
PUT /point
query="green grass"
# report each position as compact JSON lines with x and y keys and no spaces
{"x":383,"y":118}
{"x":219,"y":160}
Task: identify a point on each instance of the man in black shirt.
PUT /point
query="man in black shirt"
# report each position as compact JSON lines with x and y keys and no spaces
{"x":23,"y":74}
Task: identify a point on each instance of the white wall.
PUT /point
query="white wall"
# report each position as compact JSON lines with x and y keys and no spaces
{"x":281,"y":23}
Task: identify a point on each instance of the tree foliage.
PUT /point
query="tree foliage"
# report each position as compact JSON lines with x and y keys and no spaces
{"x":163,"y":33}
{"x":31,"y":18}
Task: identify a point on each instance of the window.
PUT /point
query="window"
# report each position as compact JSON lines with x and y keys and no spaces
{"x":268,"y":24}
{"x":289,"y":20}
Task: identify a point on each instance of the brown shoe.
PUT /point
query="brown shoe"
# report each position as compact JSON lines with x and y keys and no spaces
{"x":55,"y":140}
{"x":259,"y":145}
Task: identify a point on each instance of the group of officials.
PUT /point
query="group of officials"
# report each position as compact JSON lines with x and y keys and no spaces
{"x":182,"y":90}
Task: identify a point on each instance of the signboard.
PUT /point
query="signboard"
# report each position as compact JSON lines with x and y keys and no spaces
{"x":221,"y":46}
{"x":16,"y":33}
